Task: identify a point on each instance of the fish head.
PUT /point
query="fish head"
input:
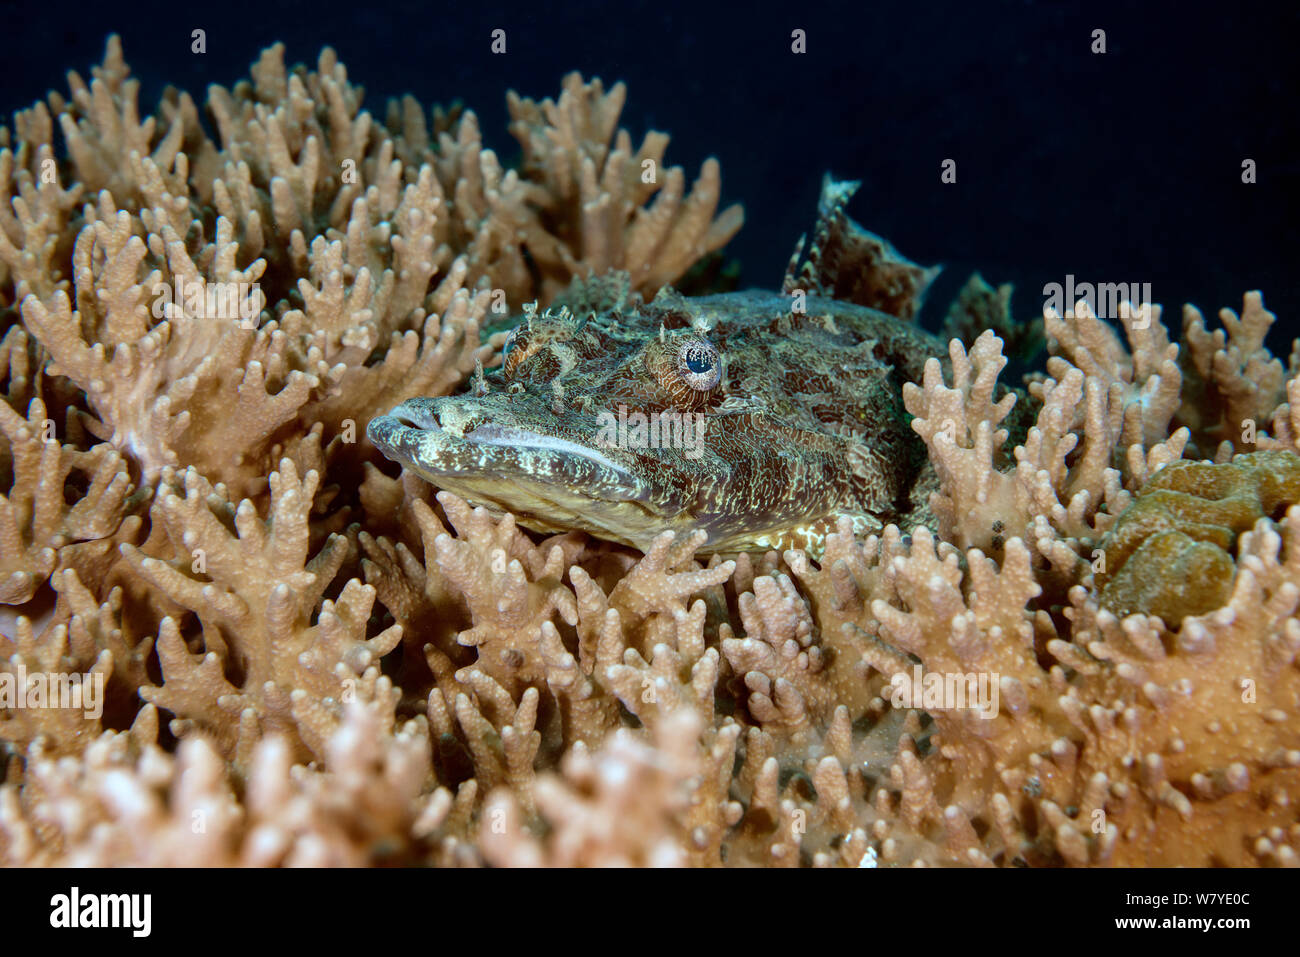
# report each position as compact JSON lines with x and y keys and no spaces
{"x":594,"y":425}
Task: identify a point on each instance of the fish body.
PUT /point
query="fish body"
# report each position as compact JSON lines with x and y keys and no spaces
{"x":756,"y":416}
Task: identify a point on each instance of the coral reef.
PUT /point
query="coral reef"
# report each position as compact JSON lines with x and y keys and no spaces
{"x":236,"y":635}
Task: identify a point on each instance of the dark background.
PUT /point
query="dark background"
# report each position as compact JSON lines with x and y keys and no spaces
{"x":1123,"y":167}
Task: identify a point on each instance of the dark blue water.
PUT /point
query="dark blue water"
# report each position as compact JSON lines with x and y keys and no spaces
{"x":1116,"y":167}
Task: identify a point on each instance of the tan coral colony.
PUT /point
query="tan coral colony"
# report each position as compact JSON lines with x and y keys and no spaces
{"x":337,"y":664}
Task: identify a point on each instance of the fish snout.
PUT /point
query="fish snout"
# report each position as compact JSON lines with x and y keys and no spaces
{"x":417,"y":413}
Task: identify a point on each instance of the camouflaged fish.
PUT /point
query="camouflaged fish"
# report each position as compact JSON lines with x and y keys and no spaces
{"x":756,"y":416}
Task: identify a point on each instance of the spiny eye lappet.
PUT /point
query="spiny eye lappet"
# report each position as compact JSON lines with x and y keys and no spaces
{"x":758,"y":417}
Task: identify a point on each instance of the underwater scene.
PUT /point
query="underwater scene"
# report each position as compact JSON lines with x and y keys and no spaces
{"x":649,"y":435}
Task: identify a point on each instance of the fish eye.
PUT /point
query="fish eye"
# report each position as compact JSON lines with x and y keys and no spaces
{"x":698,"y":365}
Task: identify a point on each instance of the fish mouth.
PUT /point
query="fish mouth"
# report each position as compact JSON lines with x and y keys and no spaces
{"x":423,"y":431}
{"x":556,"y":482}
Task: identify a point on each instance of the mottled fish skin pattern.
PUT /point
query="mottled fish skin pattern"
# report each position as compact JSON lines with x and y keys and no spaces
{"x":805,"y":422}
